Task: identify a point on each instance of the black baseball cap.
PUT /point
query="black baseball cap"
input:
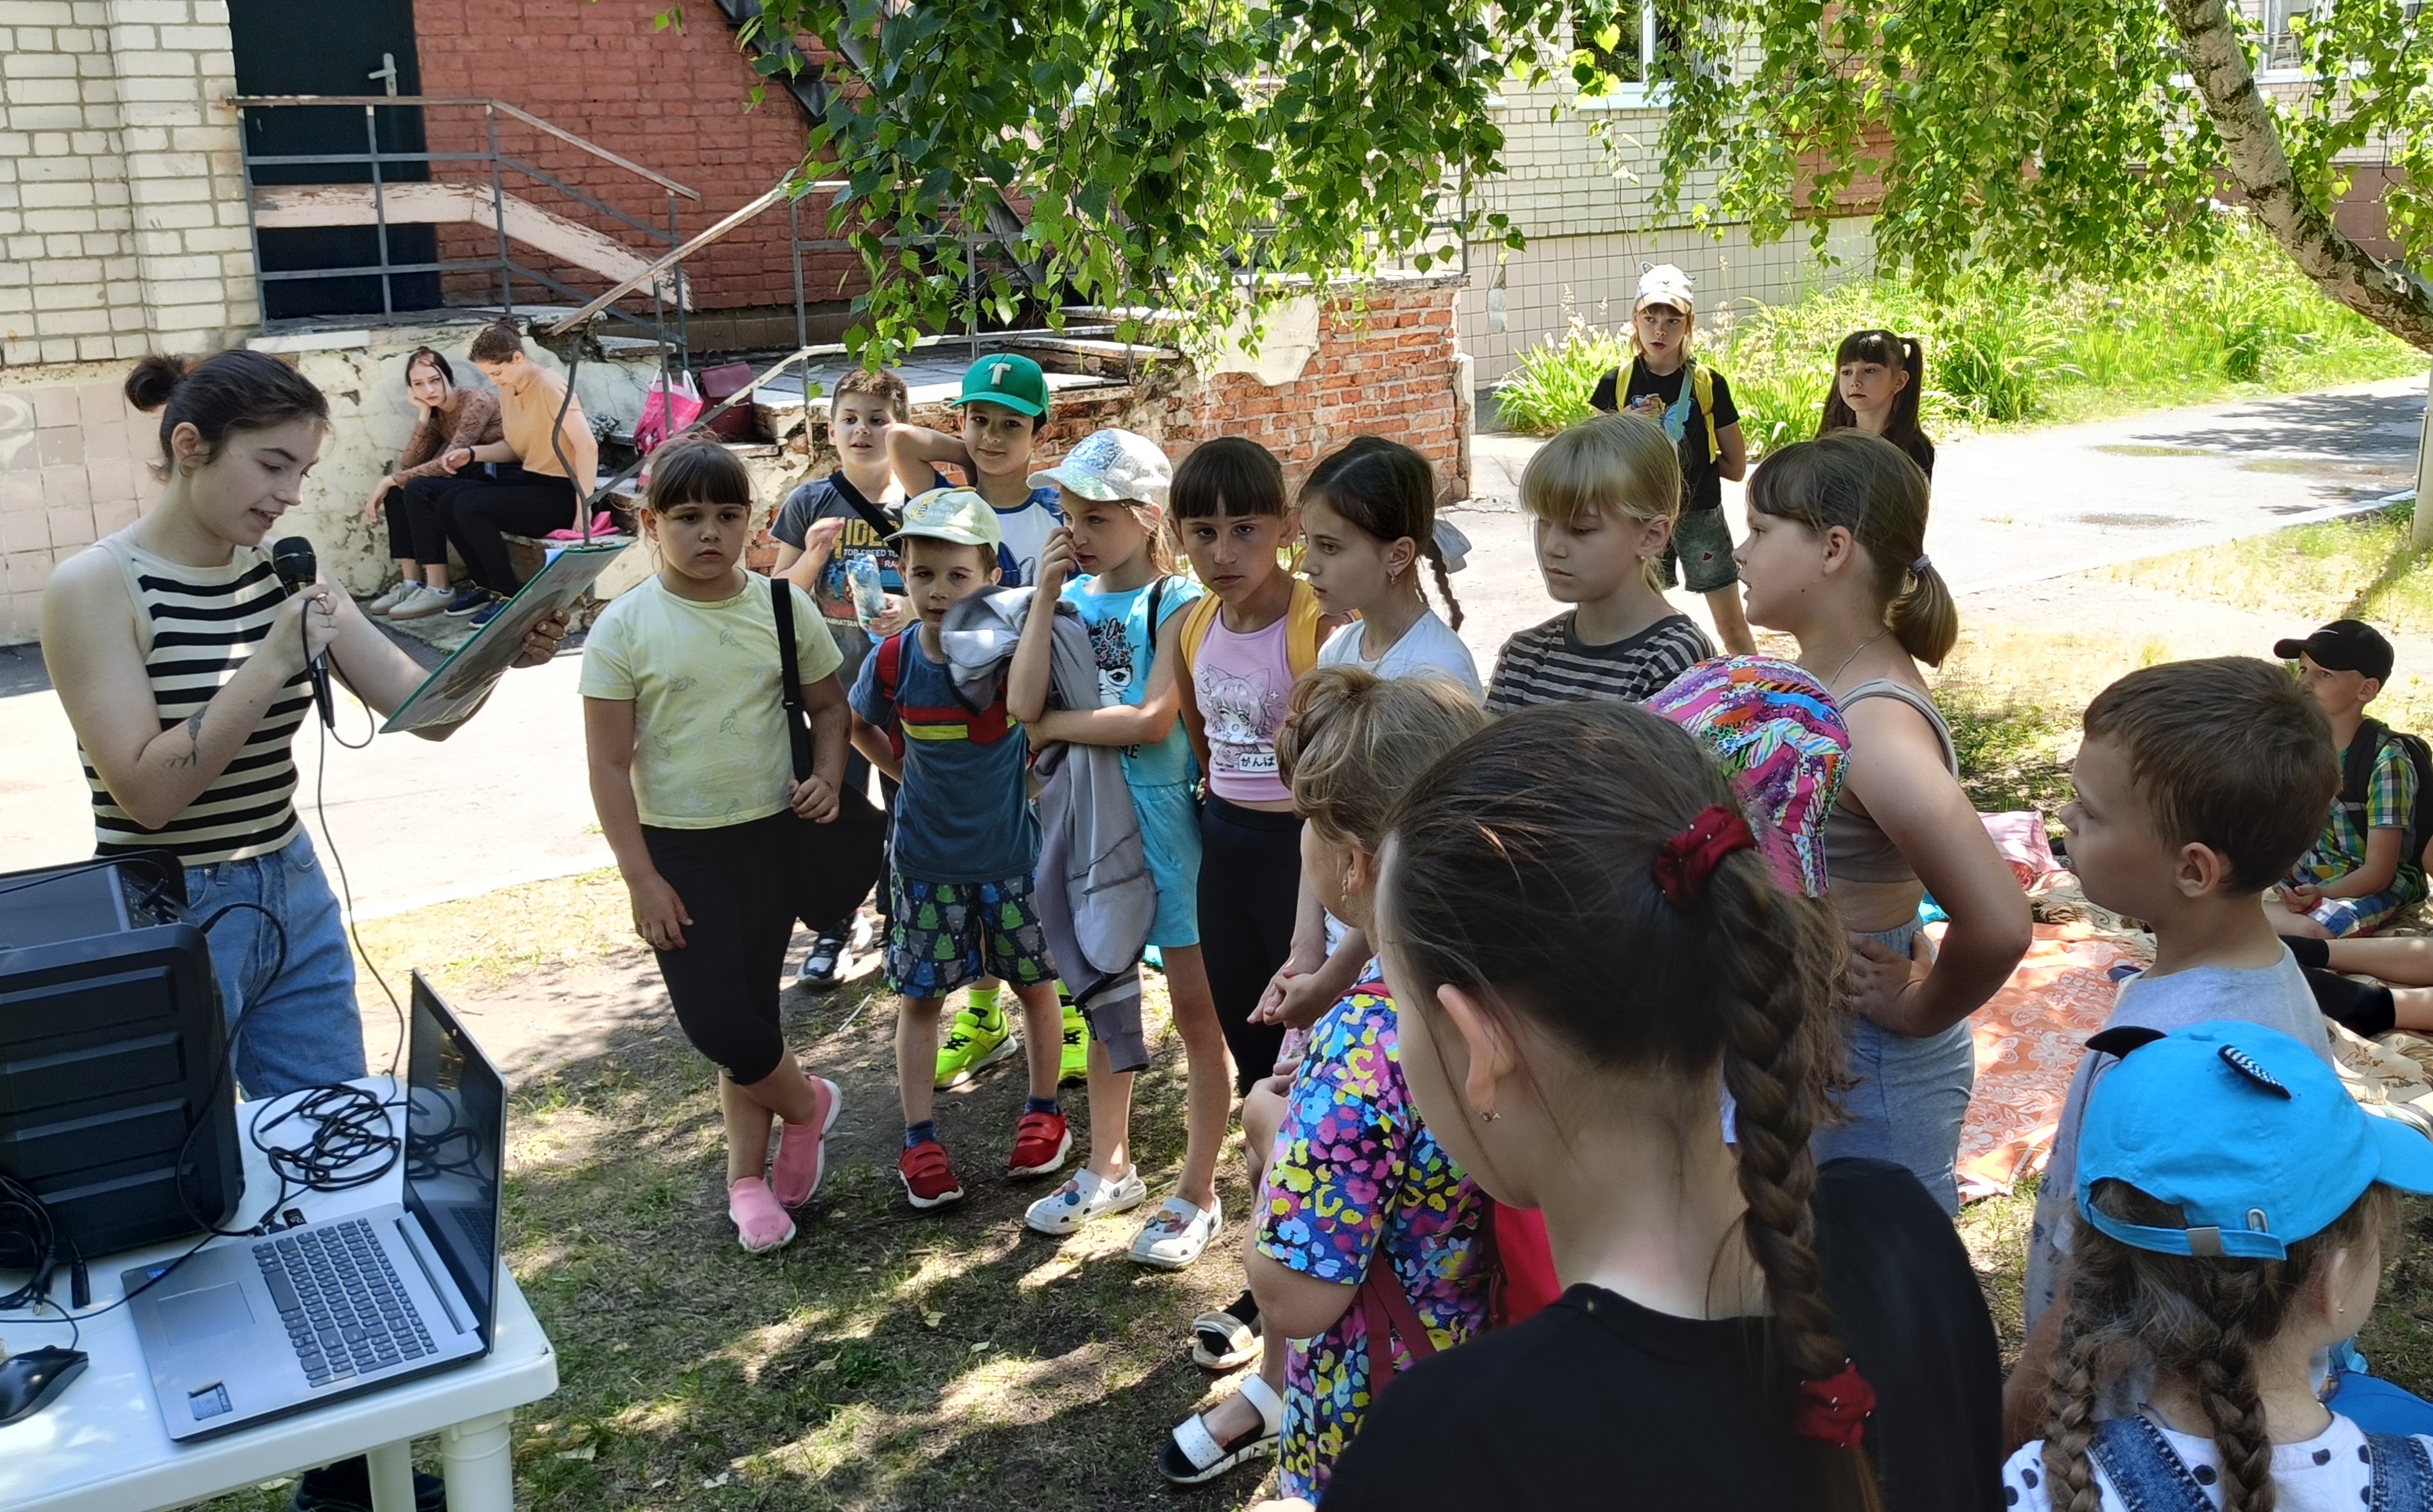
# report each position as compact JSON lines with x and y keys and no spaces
{"x":2342,"y":646}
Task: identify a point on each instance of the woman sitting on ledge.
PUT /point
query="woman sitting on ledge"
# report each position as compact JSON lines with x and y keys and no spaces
{"x":539,"y":487}
{"x":452,"y":418}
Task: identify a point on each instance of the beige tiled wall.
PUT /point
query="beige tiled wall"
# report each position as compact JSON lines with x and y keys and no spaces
{"x":71,"y":460}
{"x":122,"y":199}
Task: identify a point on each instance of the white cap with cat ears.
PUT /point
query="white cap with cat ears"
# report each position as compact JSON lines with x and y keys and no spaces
{"x":1663,"y":283}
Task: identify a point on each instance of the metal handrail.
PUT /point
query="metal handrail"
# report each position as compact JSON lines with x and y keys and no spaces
{"x":776,"y":195}
{"x":238,"y":101}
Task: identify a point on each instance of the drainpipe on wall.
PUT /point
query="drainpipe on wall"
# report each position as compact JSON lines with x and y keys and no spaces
{"x":2420,"y":531}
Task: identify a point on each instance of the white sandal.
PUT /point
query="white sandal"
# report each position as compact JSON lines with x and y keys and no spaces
{"x":1192,"y":1454}
{"x":1085,"y":1195}
{"x":1174,"y":1234}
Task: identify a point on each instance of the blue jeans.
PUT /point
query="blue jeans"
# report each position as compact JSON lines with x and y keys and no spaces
{"x":1910,"y":1098}
{"x":304,"y":1029}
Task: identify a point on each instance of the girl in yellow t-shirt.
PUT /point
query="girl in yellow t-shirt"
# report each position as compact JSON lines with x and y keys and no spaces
{"x":691,"y":774}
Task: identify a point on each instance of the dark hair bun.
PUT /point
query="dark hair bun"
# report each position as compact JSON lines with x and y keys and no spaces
{"x":156,"y":377}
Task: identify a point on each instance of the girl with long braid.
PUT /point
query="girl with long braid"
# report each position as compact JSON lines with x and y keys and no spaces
{"x":2235,"y":1202}
{"x":1587,"y":948}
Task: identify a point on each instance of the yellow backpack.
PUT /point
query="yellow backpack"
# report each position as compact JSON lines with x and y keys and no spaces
{"x":1702,"y":390}
{"x":1302,"y":636}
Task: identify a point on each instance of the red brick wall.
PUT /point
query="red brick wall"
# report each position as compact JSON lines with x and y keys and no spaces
{"x":673,"y":101}
{"x":1392,"y":368}
{"x":1388,"y":369}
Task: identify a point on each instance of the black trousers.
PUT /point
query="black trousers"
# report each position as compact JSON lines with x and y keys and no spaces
{"x":420,"y":506}
{"x":400,"y":527}
{"x":737,"y":882}
{"x":480,"y":514}
{"x":1249,"y":893}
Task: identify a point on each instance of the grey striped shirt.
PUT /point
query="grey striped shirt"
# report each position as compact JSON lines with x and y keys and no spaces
{"x":1548,"y":663}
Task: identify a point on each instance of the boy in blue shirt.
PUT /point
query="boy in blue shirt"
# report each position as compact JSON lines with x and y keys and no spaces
{"x":965,"y":842}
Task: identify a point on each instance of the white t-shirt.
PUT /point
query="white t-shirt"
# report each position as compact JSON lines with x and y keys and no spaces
{"x":1429,"y":648}
{"x":2326,"y":1474}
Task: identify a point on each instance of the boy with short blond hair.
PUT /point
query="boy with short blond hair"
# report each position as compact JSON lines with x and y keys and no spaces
{"x":2362,"y":868}
{"x":2198,"y":783}
{"x":965,"y":844}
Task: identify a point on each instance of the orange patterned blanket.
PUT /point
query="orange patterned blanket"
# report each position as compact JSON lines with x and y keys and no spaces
{"x":2028,"y":1041}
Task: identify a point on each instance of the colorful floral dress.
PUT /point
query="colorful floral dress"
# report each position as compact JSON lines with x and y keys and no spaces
{"x":1355,"y":1173}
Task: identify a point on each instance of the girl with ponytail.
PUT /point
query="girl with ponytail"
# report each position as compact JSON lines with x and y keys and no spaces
{"x":1836,"y":557}
{"x":1587,"y":949}
{"x":1369,"y":517}
{"x":1877,"y":379}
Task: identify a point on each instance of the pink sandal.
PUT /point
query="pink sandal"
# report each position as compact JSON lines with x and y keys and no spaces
{"x":760,"y":1223}
{"x":803,"y":1148}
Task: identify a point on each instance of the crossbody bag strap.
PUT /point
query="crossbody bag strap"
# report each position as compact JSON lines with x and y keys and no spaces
{"x":789,"y":678}
{"x":1387,"y":1315}
{"x":872,"y":515}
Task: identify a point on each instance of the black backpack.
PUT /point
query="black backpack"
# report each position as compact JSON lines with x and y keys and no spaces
{"x":2357,"y":775}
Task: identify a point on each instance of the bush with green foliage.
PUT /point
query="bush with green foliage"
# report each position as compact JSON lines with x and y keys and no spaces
{"x":2005,"y":349}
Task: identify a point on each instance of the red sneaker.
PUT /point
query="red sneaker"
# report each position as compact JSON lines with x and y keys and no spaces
{"x":1041,"y":1142}
{"x":928,"y":1178}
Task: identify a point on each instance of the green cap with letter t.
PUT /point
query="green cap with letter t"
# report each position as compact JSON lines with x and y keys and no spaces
{"x":1005,"y":379}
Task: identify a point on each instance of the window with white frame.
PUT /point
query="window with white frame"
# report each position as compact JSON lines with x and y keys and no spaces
{"x":1640,"y":38}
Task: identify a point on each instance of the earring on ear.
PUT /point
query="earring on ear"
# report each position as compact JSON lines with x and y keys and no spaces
{"x":1488,"y":1115}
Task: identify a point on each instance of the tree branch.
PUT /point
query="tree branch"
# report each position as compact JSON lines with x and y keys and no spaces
{"x":2391,"y":296}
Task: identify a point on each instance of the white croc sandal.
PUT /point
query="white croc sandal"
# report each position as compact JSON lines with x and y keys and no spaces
{"x":1176,"y":1234}
{"x":1192,"y":1454}
{"x":1085,"y":1196}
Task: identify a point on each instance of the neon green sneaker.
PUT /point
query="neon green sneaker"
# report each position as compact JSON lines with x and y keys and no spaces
{"x":976,"y":1040}
{"x":1077,"y":1046}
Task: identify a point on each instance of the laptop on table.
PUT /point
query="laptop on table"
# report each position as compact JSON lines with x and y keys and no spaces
{"x":254,"y":1329}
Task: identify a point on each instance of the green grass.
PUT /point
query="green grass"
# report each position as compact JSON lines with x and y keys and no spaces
{"x":2008,"y":352}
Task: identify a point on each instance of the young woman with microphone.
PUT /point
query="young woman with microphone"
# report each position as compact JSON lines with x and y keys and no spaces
{"x":185,"y":664}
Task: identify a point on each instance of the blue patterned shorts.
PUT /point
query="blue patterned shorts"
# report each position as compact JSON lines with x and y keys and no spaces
{"x":946,"y":934}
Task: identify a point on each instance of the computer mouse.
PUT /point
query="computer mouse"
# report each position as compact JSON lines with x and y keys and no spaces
{"x":30,"y":1381}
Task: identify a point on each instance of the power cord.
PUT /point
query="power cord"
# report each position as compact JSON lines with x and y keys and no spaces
{"x":346,"y":890}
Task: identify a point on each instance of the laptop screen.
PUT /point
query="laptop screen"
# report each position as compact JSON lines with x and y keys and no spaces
{"x":455,"y":1124}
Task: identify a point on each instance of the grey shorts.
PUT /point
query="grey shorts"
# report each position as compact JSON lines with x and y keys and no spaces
{"x":1702,"y":545}
{"x":1910,"y":1098}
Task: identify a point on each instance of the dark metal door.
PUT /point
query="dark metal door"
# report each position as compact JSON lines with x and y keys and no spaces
{"x":334,"y":47}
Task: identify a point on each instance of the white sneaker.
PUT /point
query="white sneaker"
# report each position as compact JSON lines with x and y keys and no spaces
{"x":1174,"y":1234}
{"x":422,"y":603}
{"x":397,"y":593}
{"x":1085,"y":1196}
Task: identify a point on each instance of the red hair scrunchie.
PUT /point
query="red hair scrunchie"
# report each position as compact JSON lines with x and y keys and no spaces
{"x":1834,"y":1410}
{"x":1684,"y":862}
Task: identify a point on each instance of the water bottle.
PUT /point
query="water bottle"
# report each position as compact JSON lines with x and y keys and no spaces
{"x":869,"y":594}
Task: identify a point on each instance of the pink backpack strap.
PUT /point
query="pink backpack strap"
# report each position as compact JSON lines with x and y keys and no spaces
{"x":1388,"y":1314}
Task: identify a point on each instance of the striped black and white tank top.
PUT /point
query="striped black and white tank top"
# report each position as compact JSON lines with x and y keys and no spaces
{"x":196,"y":625}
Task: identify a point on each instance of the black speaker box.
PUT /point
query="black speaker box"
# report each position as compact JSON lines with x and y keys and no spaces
{"x":113,"y":1106}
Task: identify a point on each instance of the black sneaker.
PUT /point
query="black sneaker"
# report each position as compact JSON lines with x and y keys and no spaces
{"x":347,"y":1487}
{"x":824,"y":964}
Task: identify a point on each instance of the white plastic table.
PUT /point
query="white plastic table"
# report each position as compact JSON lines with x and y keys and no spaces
{"x":101,"y":1446}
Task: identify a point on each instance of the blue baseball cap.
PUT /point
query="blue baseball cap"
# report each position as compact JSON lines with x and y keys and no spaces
{"x":2243,"y":1128}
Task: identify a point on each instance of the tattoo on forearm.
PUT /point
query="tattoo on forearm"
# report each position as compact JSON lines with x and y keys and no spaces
{"x":194,"y":739}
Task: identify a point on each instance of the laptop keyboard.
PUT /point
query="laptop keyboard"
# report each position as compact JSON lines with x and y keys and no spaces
{"x":345,"y":1312}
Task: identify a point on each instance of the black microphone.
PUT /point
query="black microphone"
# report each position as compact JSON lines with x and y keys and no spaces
{"x":291,"y":557}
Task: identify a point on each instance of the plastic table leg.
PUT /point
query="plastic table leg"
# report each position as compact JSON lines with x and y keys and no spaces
{"x":392,"y":1475}
{"x":479,"y":1462}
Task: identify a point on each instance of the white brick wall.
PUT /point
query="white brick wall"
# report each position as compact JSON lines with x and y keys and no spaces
{"x":1581,"y":186}
{"x":122,"y":205}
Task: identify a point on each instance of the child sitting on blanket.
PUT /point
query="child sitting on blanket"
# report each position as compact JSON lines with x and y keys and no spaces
{"x":2361,"y":870}
{"x":2198,"y":783}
